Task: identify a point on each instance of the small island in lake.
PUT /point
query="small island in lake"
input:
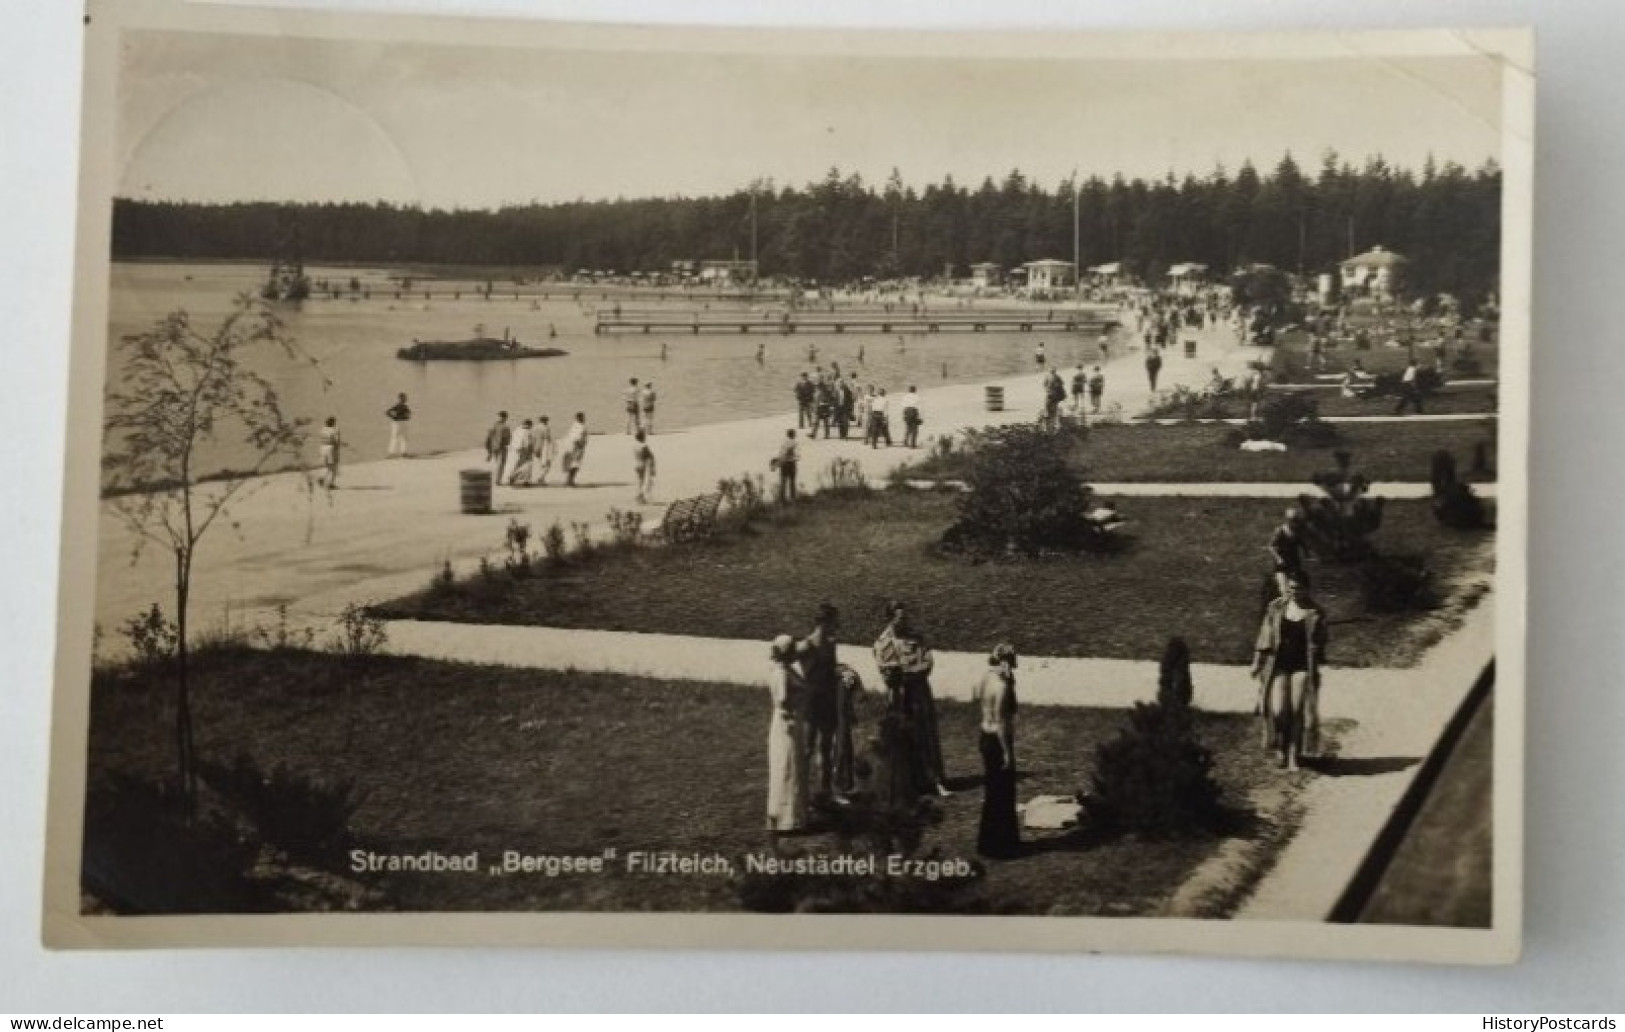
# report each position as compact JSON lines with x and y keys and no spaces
{"x":475,"y":349}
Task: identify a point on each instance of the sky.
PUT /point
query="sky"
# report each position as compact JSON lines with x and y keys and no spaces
{"x":209,"y":117}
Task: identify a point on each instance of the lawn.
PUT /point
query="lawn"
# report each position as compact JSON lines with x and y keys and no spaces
{"x":1191,"y":567}
{"x":1197,"y":453}
{"x":461,"y":759}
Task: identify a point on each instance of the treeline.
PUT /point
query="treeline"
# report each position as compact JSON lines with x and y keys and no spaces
{"x":1445,"y":218}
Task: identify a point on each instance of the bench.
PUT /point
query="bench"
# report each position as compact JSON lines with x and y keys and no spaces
{"x":690,"y":518}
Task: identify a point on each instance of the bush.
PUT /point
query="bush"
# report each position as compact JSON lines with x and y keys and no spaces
{"x":1024,"y":498}
{"x":1291,"y":418}
{"x":360,"y":634}
{"x":1155,"y":779}
{"x":1340,"y":522}
{"x":1396,"y":584}
{"x":846,"y":475}
{"x":307,"y":818}
{"x":553,"y":544}
{"x":517,"y":541}
{"x":142,"y":856}
{"x":1174,"y":685}
{"x":282,"y":635}
{"x":1186,"y":403}
{"x":626,"y":528}
{"x":1455,"y":505}
{"x":153,"y":638}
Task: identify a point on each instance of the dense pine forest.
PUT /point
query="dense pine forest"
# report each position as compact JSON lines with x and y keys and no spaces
{"x":1444,"y":217}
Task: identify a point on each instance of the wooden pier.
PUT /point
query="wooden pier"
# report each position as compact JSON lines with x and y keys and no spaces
{"x":837,"y":323}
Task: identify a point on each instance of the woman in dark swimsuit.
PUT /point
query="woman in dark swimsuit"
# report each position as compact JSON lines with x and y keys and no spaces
{"x":1291,"y":646}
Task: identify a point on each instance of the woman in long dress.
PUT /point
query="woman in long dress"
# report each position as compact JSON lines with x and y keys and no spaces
{"x":1290,"y":650}
{"x":542,"y":449}
{"x":999,"y":833}
{"x":786,"y":741}
{"x":905,"y":663}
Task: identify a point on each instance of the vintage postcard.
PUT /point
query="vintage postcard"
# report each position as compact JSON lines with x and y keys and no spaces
{"x":533,"y":483}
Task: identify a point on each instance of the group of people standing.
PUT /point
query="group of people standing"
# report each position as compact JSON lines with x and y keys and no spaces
{"x":524,"y":455}
{"x":810,"y":746}
{"x":827,"y":400}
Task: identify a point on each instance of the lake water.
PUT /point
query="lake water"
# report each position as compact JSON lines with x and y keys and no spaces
{"x":703,"y":379}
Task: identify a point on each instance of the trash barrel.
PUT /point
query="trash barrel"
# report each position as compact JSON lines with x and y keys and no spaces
{"x":995,"y":399}
{"x":1190,"y":347}
{"x":476,"y":485}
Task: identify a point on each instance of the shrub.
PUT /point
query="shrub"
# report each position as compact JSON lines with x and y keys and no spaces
{"x":1454,"y":503}
{"x":307,"y":818}
{"x":1396,"y":584}
{"x":283,"y":636}
{"x":517,"y":541}
{"x":581,"y":535}
{"x":153,"y":638}
{"x":1291,"y":418}
{"x":1340,"y":522}
{"x":1182,"y":402}
{"x":843,"y":475}
{"x":360,"y":633}
{"x":1024,"y":498}
{"x":553,"y":544}
{"x":1174,"y":685}
{"x":626,"y":528}
{"x":142,"y":855}
{"x":1155,"y":779}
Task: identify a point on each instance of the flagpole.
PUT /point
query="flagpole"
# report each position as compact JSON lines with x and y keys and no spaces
{"x":1077,"y":270}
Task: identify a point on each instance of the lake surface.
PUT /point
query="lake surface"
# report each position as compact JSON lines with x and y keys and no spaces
{"x":702,"y":379}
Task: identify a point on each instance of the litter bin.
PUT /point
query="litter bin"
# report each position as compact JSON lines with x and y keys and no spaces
{"x":995,"y":399}
{"x":1190,"y":348}
{"x":476,"y":484}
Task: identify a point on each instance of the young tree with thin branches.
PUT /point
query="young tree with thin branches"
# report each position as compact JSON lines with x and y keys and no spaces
{"x":182,"y":388}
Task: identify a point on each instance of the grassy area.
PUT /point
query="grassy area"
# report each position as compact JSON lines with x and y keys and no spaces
{"x":1450,"y":401}
{"x":1197,"y":453}
{"x":461,"y":759}
{"x":1189,"y":567}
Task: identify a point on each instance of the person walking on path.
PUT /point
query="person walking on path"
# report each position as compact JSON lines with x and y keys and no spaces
{"x":630,"y":399}
{"x":1410,"y":392}
{"x":829,"y":733}
{"x":1080,"y":387}
{"x":846,"y":396}
{"x":864,"y":408}
{"x":998,"y":834}
{"x":1153,"y":366}
{"x":646,"y":401}
{"x":330,"y":445}
{"x":786,"y":741}
{"x":542,"y":451}
{"x":1287,"y":660}
{"x":905,"y":665}
{"x":880,"y":419}
{"x":1288,"y":549}
{"x":785,"y":463}
{"x":1097,"y":388}
{"x":911,"y":418}
{"x":520,"y":452}
{"x":1039,"y":358}
{"x":497,"y":440}
{"x":804,"y":402}
{"x":399,"y":415}
{"x":643,"y":466}
{"x":575,"y":449}
{"x":1054,"y":395}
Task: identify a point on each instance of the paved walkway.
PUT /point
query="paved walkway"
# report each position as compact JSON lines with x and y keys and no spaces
{"x":393,"y":523}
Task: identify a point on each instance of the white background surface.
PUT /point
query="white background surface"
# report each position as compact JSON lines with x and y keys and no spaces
{"x":1575,"y":896}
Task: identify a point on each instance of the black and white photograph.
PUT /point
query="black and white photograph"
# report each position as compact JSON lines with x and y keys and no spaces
{"x":550,"y":483}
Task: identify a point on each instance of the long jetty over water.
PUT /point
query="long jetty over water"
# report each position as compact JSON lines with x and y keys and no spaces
{"x":971,"y":321}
